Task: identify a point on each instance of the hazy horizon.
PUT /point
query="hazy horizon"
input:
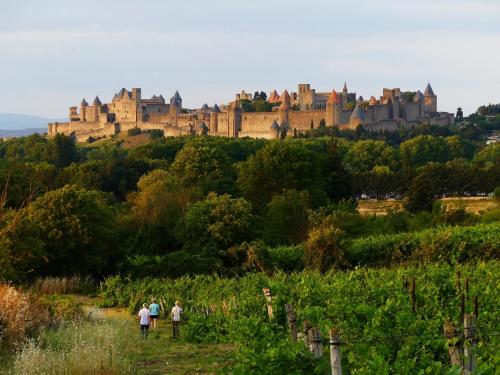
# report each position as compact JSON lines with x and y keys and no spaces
{"x":56,"y":52}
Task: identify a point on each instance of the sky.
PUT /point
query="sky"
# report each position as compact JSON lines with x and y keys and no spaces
{"x":55,"y":52}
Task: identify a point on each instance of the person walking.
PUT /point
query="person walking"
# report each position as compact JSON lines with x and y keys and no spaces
{"x":154,"y":308}
{"x":144,"y":320}
{"x":176,"y":319}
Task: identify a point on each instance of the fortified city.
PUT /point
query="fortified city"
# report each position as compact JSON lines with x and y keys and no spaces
{"x":286,"y":115}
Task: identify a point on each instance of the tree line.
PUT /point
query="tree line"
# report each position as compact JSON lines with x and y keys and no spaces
{"x":206,"y":204}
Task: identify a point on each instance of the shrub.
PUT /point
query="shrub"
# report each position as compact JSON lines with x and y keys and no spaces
{"x":155,"y":133}
{"x":496,"y":193}
{"x":134,"y":131}
{"x":20,"y":314}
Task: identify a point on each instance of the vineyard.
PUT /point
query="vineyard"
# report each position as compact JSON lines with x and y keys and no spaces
{"x":390,"y":321}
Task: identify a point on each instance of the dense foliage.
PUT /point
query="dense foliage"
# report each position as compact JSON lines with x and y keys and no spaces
{"x":207,"y":204}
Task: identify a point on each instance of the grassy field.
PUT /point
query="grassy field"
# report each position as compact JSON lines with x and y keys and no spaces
{"x":111,"y":344}
{"x":472,"y":204}
{"x":123,"y":139}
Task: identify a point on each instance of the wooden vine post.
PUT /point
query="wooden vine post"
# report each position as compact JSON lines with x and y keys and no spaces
{"x":462,"y":306}
{"x":304,"y":335}
{"x":315,"y":342}
{"x":267,"y":294}
{"x":453,"y":343}
{"x":469,"y":344}
{"x":292,"y":320}
{"x":335,"y":360}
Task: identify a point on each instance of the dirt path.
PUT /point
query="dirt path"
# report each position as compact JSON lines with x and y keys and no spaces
{"x":160,"y":354}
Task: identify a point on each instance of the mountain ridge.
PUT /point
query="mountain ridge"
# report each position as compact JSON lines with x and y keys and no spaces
{"x":19,"y":121}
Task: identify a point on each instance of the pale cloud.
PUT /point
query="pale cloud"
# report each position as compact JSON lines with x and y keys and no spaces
{"x":57,"y":51}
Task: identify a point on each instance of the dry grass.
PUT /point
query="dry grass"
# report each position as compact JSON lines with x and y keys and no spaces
{"x":471,"y":204}
{"x":20,"y":313}
{"x":76,"y":349}
{"x":64,"y":285}
{"x":379,"y":207}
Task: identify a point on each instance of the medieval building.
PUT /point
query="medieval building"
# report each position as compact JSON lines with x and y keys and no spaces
{"x":290,"y":114}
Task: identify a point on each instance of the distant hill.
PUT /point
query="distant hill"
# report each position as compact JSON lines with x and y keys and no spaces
{"x":21,"y":132}
{"x":13,"y":121}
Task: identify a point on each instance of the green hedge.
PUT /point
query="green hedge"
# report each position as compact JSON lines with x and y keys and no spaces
{"x":450,"y":244}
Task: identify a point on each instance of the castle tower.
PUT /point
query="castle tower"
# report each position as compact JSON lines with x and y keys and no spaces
{"x":357,"y":117}
{"x":395,"y":107}
{"x":419,"y":99}
{"x":83,"y":108}
{"x":73,"y":113}
{"x":136,"y":95}
{"x":283,"y":112}
{"x":345,"y":96}
{"x":96,"y":106}
{"x":430,"y":100}
{"x":306,"y":97}
{"x":372,"y":110}
{"x":214,"y":119}
{"x":234,"y":116}
{"x":275,"y":130}
{"x":333,"y":109}
{"x":175,"y":108}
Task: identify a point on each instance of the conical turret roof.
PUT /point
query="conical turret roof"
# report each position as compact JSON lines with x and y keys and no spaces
{"x":357,"y":114}
{"x":274,"y":126}
{"x":428,"y":90}
{"x":84,"y":103}
{"x":177,"y":95}
{"x":216,"y":108}
{"x":372,"y":101}
{"x":285,"y":100}
{"x":205,"y":107}
{"x":273,"y":97}
{"x":418,"y":96}
{"x":97,"y":101}
{"x":345,"y":87}
{"x":333,"y":98}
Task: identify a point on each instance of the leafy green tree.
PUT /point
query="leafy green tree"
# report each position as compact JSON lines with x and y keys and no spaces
{"x":247,"y":105}
{"x":61,"y":151}
{"x":459,"y":117}
{"x":428,"y":182}
{"x":409,"y":95}
{"x":113,"y":172}
{"x":286,"y":218}
{"x":205,"y":168}
{"x":338,"y":180}
{"x":279,"y":166}
{"x":71,"y":229}
{"x":488,"y":156}
{"x":364,"y":155}
{"x":420,"y":150}
{"x":213,"y":225}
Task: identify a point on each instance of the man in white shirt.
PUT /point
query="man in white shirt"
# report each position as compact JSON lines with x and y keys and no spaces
{"x":176,"y":319}
{"x":144,"y":318}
